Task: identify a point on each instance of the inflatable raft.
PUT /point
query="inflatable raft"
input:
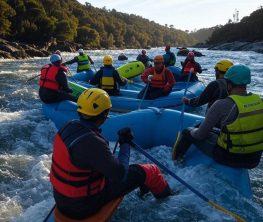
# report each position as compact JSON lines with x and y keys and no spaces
{"x":127,"y":100}
{"x":129,"y":70}
{"x":154,"y":127}
{"x":102,"y":216}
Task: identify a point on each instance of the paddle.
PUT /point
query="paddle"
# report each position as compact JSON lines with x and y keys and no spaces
{"x":50,"y":212}
{"x":115,"y":147}
{"x":33,"y":77}
{"x":180,"y":125}
{"x":210,"y":202}
{"x":144,"y":94}
{"x":94,"y":67}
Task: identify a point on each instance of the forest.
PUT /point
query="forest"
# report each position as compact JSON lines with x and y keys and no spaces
{"x":249,"y":29}
{"x":41,"y":21}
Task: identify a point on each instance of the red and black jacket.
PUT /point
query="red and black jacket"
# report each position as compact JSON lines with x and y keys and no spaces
{"x":66,"y":178}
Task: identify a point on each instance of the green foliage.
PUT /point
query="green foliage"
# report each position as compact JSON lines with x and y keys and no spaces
{"x":249,"y":29}
{"x":202,"y":35}
{"x":6,"y":12}
{"x":88,"y":37}
{"x":38,"y":21}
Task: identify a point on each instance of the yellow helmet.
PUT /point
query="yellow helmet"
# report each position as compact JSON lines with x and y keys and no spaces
{"x":158,"y":58}
{"x":107,"y":60}
{"x":93,"y":102}
{"x":223,"y":65}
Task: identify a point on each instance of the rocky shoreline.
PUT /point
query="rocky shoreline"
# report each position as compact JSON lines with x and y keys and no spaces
{"x":17,"y":50}
{"x":235,"y":46}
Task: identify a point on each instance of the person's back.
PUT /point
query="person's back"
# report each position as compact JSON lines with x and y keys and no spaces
{"x":214,"y":90}
{"x":240,"y":118}
{"x":53,"y":86}
{"x":83,"y":60}
{"x":144,"y":58}
{"x":169,"y":57}
{"x":108,"y":78}
{"x":84,"y":174}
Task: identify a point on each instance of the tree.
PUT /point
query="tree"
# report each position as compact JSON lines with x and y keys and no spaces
{"x":88,"y":37}
{"x":6,"y":12}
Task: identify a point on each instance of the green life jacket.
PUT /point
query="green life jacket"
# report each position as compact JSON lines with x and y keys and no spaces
{"x":245,"y":134}
{"x":83,"y":63}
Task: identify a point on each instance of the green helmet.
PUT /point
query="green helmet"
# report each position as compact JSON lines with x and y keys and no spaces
{"x":239,"y":74}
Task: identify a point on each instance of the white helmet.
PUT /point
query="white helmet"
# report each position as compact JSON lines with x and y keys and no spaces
{"x":81,"y":51}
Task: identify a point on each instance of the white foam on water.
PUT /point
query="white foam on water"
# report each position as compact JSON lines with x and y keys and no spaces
{"x":25,"y":191}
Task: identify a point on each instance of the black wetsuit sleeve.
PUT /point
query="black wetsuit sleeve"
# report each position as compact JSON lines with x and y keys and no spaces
{"x":119,"y":80}
{"x":94,"y":153}
{"x":96,"y":79}
{"x":207,"y":95}
{"x":72,"y":61}
{"x":198,"y":68}
{"x":62,"y":80}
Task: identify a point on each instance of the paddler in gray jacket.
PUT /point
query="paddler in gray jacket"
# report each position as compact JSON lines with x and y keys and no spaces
{"x":239,"y":142}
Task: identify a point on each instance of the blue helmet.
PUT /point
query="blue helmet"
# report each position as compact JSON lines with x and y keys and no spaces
{"x":239,"y":74}
{"x":55,"y":58}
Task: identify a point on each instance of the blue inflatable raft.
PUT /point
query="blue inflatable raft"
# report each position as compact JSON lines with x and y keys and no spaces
{"x":127,"y":100}
{"x":153,"y":127}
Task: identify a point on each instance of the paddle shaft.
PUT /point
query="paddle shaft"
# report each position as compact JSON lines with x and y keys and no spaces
{"x":50,"y":212}
{"x":144,"y":94}
{"x":94,"y":67}
{"x":33,"y":77}
{"x":180,"y":125}
{"x":115,"y":147}
{"x":211,"y":203}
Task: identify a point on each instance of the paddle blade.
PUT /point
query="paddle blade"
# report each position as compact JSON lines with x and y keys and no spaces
{"x":175,"y":145}
{"x":218,"y":207}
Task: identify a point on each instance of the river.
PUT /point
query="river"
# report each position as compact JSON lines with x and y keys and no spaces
{"x":26,"y":146}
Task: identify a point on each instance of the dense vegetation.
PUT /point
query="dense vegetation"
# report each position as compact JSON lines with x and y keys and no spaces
{"x":202,"y":35}
{"x":249,"y":29}
{"x":41,"y":21}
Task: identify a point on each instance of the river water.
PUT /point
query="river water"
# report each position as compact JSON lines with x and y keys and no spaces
{"x":26,"y":145}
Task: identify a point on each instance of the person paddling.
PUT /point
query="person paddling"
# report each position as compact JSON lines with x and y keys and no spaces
{"x":83,"y":60}
{"x":108,"y":78}
{"x":189,"y":64}
{"x":215,"y":90}
{"x":239,"y":142}
{"x":53,"y":85}
{"x":169,"y":57}
{"x":159,"y":80}
{"x":144,"y":59}
{"x":84,"y":174}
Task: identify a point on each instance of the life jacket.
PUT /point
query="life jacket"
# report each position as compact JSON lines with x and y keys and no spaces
{"x":188,"y":66}
{"x":83,"y":62}
{"x":158,"y":80}
{"x":65,"y":177}
{"x":48,"y":76}
{"x":107,"y":80}
{"x":245,"y":134}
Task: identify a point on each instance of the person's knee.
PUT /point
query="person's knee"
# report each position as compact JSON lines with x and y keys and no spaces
{"x":155,"y":182}
{"x":187,"y":132}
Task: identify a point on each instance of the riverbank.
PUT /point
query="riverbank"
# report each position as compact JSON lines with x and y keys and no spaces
{"x":17,"y":50}
{"x":256,"y":46}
